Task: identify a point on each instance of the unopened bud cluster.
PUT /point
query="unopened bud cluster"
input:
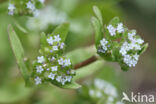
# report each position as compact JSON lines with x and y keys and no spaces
{"x":51,"y":66}
{"x":25,"y":7}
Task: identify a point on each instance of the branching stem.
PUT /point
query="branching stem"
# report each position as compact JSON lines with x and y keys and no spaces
{"x":86,"y":62}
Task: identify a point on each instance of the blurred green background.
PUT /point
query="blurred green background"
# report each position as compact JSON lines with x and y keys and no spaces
{"x":136,"y":14}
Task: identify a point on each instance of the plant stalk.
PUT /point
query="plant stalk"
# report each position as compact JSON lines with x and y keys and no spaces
{"x":86,"y":62}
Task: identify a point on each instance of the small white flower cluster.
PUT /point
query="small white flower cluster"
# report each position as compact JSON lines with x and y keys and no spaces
{"x":48,"y":15}
{"x":55,"y":43}
{"x":102,"y":89}
{"x":135,"y":45}
{"x":30,"y":5}
{"x":11,"y":9}
{"x":38,"y":80}
{"x":112,"y":30}
{"x":57,"y":69}
{"x":103,"y":45}
{"x":54,"y":70}
{"x":125,"y":47}
{"x":41,"y":1}
{"x":65,"y":62}
{"x":107,"y":88}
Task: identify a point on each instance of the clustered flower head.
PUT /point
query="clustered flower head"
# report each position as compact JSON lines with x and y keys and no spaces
{"x":48,"y":16}
{"x":27,"y":7}
{"x":99,"y":89}
{"x":132,"y":44}
{"x":120,"y":44}
{"x":51,"y":66}
{"x":11,"y":9}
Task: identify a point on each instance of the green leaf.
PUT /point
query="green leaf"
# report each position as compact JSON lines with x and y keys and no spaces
{"x":72,"y":85}
{"x":98,"y":30}
{"x":115,"y":21}
{"x":21,"y":28}
{"x":124,"y":67}
{"x":18,"y":52}
{"x":145,"y":46}
{"x":14,"y":92}
{"x":98,"y":14}
{"x":43,"y":39}
{"x":88,"y":70}
{"x":62,"y":30}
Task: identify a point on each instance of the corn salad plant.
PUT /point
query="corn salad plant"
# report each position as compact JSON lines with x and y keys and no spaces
{"x":114,"y":42}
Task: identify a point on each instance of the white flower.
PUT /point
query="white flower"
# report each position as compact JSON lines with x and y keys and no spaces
{"x":63,"y":81}
{"x":124,"y":48}
{"x":55,"y":48}
{"x":120,"y":28}
{"x":48,"y":15}
{"x":36,"y":13}
{"x":131,"y":35}
{"x":40,"y":59}
{"x":111,"y":30}
{"x":123,"y":51}
{"x":110,"y":99}
{"x":91,"y":92}
{"x":130,"y":46}
{"x":127,"y":60}
{"x":51,"y":76}
{"x":51,"y":51}
{"x":51,"y":59}
{"x":38,"y":80}
{"x":61,"y":61}
{"x":99,"y":83}
{"x":103,"y":43}
{"x":50,"y":40}
{"x":135,"y":46}
{"x":67,"y":62}
{"x":119,"y":102}
{"x":139,"y":41}
{"x":30,"y":6}
{"x":108,"y":88}
{"x":41,"y":1}
{"x":44,"y":65}
{"x":11,"y":8}
{"x":39,"y":69}
{"x":58,"y":78}
{"x":54,"y":68}
{"x":136,"y":56}
{"x":135,"y":42}
{"x":57,"y":38}
{"x":130,"y":61}
{"x":68,"y":78}
{"x":11,"y":12}
{"x":99,"y":94}
{"x":62,"y":45}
